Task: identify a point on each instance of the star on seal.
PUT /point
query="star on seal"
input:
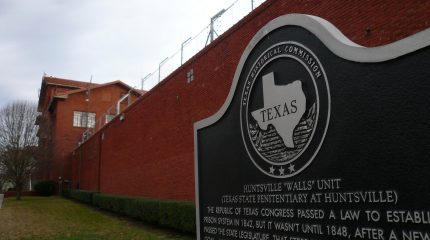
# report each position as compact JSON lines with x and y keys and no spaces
{"x":281,"y":171}
{"x":291,"y":168}
{"x":272,"y":170}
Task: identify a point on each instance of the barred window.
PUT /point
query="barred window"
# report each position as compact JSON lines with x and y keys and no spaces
{"x":84,"y":119}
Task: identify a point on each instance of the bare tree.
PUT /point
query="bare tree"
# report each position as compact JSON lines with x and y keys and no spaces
{"x":18,"y":142}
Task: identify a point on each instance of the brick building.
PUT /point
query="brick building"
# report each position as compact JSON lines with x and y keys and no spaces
{"x":70,"y":112}
{"x":150,"y":150}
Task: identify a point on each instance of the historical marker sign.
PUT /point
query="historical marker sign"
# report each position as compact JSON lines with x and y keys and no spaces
{"x":319,"y":138}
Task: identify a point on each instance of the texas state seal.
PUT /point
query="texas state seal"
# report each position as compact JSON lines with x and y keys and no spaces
{"x":285,"y":109}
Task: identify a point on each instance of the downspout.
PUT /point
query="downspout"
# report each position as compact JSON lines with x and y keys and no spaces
{"x":118,"y":104}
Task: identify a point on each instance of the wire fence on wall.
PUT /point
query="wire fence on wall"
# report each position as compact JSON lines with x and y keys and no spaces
{"x":219,"y":24}
{"x":222,"y":21}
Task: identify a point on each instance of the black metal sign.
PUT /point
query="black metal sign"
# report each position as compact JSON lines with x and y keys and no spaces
{"x":319,"y":138}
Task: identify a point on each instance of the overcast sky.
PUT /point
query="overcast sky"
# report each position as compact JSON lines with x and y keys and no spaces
{"x":105,"y":39}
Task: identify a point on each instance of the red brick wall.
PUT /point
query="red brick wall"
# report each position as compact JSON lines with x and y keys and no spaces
{"x":150,"y":153}
{"x":65,"y":136}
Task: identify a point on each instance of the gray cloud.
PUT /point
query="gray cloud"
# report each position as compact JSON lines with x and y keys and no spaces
{"x":109,"y":39}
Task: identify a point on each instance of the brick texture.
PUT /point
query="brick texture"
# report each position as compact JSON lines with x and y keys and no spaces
{"x":57,"y":123}
{"x":151,"y":152}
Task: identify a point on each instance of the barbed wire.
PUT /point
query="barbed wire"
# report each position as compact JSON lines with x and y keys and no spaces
{"x":234,"y":11}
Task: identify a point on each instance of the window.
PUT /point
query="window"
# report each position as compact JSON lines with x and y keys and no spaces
{"x":108,"y":118}
{"x":190,"y":76}
{"x":84,"y":119}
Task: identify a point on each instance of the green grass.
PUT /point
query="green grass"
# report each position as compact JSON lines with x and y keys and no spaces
{"x":57,"y":218}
